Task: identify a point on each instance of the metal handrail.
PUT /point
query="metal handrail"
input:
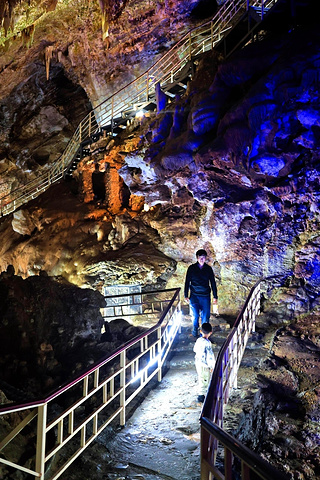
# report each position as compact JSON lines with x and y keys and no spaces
{"x":223,"y":380}
{"x":137,"y":93}
{"x":249,"y":459}
{"x":114,"y":383}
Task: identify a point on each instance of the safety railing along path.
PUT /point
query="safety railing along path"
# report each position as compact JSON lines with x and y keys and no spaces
{"x":137,"y":93}
{"x":69,"y":419}
{"x":224,"y":379}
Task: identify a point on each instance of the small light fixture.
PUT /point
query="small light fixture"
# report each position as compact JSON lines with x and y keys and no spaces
{"x":140,"y":113}
{"x":176,"y":322}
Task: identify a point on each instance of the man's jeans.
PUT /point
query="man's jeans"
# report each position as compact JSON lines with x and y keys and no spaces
{"x":200,"y":308}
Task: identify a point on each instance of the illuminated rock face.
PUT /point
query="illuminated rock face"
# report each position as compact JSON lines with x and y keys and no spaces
{"x":241,"y":175}
{"x":231,"y":167}
{"x":42,"y":103}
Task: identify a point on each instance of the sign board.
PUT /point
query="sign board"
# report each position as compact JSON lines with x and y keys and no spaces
{"x":129,"y":304}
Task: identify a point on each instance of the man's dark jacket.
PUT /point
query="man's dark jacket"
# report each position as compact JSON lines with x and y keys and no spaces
{"x":199,"y":281}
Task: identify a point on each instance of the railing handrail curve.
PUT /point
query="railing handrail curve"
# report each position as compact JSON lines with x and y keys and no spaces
{"x":250,"y":458}
{"x":224,"y":376}
{"x":226,"y":344}
{"x":107,"y":388}
{"x":99,"y":364}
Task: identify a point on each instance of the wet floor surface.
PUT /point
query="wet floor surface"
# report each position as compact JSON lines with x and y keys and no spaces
{"x":161,"y":439}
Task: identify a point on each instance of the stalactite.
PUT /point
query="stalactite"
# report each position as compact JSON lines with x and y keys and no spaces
{"x":7,"y":14}
{"x":27,"y":35}
{"x":2,"y":10}
{"x":48,"y":56}
{"x":6,"y":24}
{"x":105,"y":11}
{"x":111,"y":11}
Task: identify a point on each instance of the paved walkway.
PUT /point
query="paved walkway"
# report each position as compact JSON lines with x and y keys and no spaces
{"x":161,"y":440}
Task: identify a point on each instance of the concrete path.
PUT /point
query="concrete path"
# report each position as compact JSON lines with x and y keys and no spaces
{"x":161,"y":440}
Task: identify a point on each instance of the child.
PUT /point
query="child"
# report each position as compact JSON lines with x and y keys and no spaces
{"x":204,"y":360}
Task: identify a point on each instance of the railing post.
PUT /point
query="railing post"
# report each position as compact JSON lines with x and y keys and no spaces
{"x":159,"y":353}
{"x":80,"y":132}
{"x":245,"y":471}
{"x":228,"y":460}
{"x":123,"y":388}
{"x":90,"y":123}
{"x":41,"y":440}
{"x":235,"y":356}
{"x":204,"y":446}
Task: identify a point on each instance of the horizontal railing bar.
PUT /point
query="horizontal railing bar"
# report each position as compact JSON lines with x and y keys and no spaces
{"x":152,"y":293}
{"x":140,"y":355}
{"x":143,"y":384}
{"x":80,"y":450}
{"x":78,"y":428}
{"x":254,"y":461}
{"x":78,"y":403}
{"x":130,"y":314}
{"x":18,"y":429}
{"x":56,"y":393}
{"x":215,"y":471}
{"x":19,"y":467}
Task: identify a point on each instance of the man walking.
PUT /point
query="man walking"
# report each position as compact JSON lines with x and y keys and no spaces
{"x":200,"y":282}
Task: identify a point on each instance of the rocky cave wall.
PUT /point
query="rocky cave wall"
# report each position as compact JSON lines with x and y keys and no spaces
{"x":246,"y":186}
{"x":50,"y":84}
{"x":232,"y":167}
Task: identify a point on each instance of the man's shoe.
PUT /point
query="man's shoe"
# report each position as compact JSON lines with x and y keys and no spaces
{"x":200,"y":398}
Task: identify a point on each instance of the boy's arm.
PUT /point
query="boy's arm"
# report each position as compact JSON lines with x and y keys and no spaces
{"x":211,"y":360}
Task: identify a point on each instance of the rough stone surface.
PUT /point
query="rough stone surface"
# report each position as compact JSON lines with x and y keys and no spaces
{"x":233,"y":167}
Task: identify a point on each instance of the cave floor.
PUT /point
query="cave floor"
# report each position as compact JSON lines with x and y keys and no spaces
{"x":161,"y":439}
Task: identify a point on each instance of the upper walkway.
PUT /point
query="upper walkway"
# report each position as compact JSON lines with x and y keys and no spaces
{"x":239,"y":17}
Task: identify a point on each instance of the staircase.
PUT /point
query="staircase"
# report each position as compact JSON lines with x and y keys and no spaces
{"x":230,"y":29}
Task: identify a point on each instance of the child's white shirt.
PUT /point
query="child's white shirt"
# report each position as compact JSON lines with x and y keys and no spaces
{"x":204,"y":352}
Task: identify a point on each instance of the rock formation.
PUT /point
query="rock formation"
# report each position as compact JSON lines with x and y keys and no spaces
{"x":232,"y":166}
